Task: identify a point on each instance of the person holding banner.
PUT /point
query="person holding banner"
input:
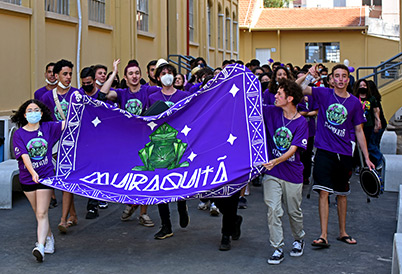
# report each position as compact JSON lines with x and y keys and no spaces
{"x":57,"y":101}
{"x":134,"y":99}
{"x":33,"y":143}
{"x":287,"y":132}
{"x":340,"y":118}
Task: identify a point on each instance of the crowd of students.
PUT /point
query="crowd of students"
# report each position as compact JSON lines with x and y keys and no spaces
{"x":303,"y":108}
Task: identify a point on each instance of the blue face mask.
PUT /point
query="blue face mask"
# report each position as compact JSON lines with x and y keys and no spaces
{"x":34,"y":117}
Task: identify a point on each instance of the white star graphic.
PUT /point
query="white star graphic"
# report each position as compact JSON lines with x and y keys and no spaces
{"x":152,"y":125}
{"x":234,"y":90}
{"x":96,"y":121}
{"x":231,"y":139}
{"x":40,"y":133}
{"x":192,"y":156}
{"x":185,"y":130}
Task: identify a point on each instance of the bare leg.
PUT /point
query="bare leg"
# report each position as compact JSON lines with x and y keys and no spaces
{"x":73,"y":214}
{"x":143,"y":209}
{"x":67,"y":201}
{"x":342,"y":209}
{"x":323,"y":210}
{"x":39,"y":201}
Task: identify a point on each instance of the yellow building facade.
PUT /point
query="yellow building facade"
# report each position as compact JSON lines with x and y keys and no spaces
{"x":88,"y":32}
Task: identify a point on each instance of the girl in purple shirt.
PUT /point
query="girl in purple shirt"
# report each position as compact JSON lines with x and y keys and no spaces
{"x":33,"y":143}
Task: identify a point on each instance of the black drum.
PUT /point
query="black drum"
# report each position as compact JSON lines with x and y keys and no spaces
{"x":371,"y":182}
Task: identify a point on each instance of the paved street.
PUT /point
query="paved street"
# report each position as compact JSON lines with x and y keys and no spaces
{"x":107,"y":245}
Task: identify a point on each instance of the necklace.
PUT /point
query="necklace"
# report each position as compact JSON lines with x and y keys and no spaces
{"x":283,"y":119}
{"x":166,"y":100}
{"x":338,"y":100}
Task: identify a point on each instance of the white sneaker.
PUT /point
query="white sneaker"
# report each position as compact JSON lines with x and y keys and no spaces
{"x":277,"y":257}
{"x":298,"y":247}
{"x":202,"y":206}
{"x":214,"y":211}
{"x":49,"y":245}
{"x":39,"y":253}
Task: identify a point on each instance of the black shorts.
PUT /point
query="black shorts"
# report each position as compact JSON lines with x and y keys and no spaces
{"x":29,"y":188}
{"x":332,"y":172}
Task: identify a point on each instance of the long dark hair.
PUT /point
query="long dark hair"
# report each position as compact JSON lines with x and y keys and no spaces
{"x":374,"y":90}
{"x":356,"y":88}
{"x":20,"y":119}
{"x":273,"y":87}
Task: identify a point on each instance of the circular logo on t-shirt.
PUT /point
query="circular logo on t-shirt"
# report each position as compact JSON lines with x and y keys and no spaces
{"x":283,"y":138}
{"x":134,"y":106}
{"x":64,"y":107}
{"x":337,"y":114}
{"x":37,"y":148}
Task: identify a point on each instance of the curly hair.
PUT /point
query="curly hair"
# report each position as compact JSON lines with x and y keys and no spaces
{"x":291,"y":89}
{"x":19,"y":118}
{"x":273,"y":86}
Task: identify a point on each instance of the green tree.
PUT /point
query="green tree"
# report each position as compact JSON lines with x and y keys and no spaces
{"x":276,"y":3}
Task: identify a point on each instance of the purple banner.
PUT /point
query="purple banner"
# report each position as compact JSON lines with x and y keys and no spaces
{"x":210,"y":144}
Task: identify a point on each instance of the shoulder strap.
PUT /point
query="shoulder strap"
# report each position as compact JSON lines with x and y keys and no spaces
{"x":58,"y":105}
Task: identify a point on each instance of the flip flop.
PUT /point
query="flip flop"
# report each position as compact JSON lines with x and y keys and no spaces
{"x":323,"y":244}
{"x":346,"y":239}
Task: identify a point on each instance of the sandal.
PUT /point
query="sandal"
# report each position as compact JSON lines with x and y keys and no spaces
{"x":321,"y":242}
{"x":63,"y":227}
{"x":72,"y":222}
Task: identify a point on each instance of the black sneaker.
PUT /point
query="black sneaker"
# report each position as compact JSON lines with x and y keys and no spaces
{"x":298,"y":247}
{"x":237,"y":231}
{"x":184,"y":218}
{"x":277,"y":257}
{"x":242,"y":203}
{"x":53,"y":203}
{"x":103,"y":204}
{"x":92,"y":214}
{"x":225,"y":243}
{"x":163,"y":233}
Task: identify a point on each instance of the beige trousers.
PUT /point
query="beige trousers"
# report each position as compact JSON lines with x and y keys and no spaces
{"x":276,"y":191}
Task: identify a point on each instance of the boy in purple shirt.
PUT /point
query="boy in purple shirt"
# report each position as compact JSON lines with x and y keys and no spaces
{"x":340,"y":115}
{"x":283,"y":180}
{"x":51,"y":82}
{"x":58,"y":105}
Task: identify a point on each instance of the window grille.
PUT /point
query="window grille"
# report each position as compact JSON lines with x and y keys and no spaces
{"x":96,"y":10}
{"x":58,"y":6}
{"x":142,"y":15}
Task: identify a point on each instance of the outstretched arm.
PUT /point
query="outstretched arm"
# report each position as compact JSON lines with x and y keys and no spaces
{"x":110,"y":94}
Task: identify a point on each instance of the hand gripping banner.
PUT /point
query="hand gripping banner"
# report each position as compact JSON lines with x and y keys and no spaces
{"x":209,"y":144}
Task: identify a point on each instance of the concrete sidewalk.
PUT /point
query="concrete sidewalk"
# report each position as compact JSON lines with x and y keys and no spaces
{"x":107,"y":245}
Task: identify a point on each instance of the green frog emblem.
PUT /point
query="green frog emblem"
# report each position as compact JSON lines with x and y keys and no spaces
{"x":163,"y":151}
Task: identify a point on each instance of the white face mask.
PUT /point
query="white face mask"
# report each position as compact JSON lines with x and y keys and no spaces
{"x":51,"y":83}
{"x":167,"y":80}
{"x":63,"y":86}
{"x":99,"y":83}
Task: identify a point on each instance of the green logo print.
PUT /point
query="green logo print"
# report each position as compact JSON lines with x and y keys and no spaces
{"x":163,"y":151}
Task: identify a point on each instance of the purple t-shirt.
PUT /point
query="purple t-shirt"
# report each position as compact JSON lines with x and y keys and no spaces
{"x":188,"y":86}
{"x":133,"y":102}
{"x":308,"y":105}
{"x":196,"y":87}
{"x":40,"y":92}
{"x":170,"y":100}
{"x":268,"y":99}
{"x":336,"y":120}
{"x":281,"y":135}
{"x":48,"y":100}
{"x":38,"y":146}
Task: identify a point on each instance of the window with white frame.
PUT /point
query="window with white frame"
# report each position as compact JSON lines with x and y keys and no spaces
{"x":191,"y":20}
{"x":227,"y":31}
{"x":142,"y":15}
{"x":96,"y":10}
{"x":323,"y":52}
{"x":221,"y":18}
{"x":234,"y":31}
{"x":15,"y":2}
{"x":210,"y":18}
{"x":58,"y":6}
